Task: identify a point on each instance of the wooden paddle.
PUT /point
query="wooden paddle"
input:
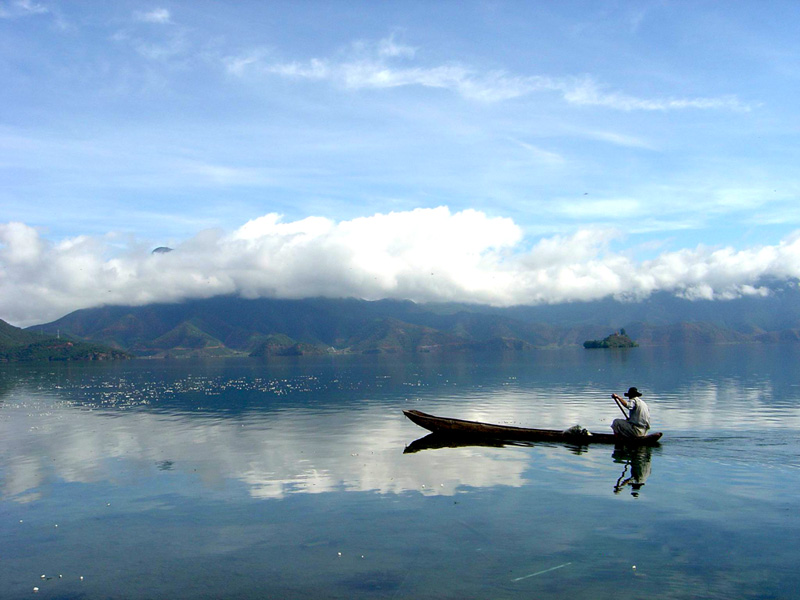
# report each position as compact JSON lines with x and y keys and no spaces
{"x":624,"y":414}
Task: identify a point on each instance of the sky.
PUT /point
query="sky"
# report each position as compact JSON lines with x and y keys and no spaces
{"x":477,"y":151}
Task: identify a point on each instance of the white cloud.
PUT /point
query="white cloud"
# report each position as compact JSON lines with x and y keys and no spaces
{"x":388,"y":47}
{"x":376,"y":73}
{"x":21,"y":245}
{"x":587,"y":92}
{"x":21,"y":8}
{"x":423,"y":255}
{"x":239,"y":65}
{"x":371,"y":66}
{"x":157,"y":15}
{"x":270,"y":225}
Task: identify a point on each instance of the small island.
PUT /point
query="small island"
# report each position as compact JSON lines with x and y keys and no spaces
{"x":615,"y":340}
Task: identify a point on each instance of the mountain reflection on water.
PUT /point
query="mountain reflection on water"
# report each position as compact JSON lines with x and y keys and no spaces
{"x":302,"y":478}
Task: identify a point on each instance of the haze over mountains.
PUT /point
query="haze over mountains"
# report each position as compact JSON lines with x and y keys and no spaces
{"x":229,"y":325}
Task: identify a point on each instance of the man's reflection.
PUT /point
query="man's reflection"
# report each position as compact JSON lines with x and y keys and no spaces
{"x":637,"y":468}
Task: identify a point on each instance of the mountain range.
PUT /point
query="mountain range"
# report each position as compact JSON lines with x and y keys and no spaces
{"x":231,"y":325}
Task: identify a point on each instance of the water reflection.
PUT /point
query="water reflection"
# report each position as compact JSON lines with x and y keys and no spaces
{"x":336,"y":425}
{"x":637,"y":468}
{"x":289,"y":479}
{"x":436,"y":441}
{"x":636,"y":460}
{"x":261,"y":456}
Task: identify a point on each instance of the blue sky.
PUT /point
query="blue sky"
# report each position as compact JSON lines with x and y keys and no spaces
{"x":568,"y":150}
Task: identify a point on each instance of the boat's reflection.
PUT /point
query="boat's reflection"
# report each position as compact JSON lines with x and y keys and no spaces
{"x":636,"y":460}
{"x":434,"y":441}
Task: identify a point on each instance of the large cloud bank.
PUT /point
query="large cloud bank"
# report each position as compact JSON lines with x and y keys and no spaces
{"x":423,"y":255}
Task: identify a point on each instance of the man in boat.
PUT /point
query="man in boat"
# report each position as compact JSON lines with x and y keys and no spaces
{"x":638,"y":421}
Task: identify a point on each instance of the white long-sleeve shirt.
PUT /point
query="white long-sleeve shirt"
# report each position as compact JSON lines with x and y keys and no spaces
{"x":639,"y":414}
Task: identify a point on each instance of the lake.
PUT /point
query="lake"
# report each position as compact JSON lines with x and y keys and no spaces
{"x":295,"y":478}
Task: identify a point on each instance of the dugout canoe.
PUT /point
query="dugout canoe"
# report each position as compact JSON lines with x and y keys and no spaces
{"x":475,"y":429}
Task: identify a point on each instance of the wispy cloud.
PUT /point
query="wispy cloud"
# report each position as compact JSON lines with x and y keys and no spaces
{"x":389,"y":48}
{"x":376,"y":73}
{"x":157,"y":15}
{"x":374,"y":66}
{"x":587,"y":92}
{"x":21,"y":8}
{"x":164,"y":45}
{"x":619,"y":139}
{"x":540,"y":154}
{"x":223,"y":175}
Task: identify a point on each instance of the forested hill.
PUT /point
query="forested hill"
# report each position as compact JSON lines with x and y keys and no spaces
{"x":233,"y":325}
{"x":20,"y":345}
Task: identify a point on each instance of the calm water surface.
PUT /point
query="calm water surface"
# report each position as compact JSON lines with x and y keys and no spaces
{"x":301,"y":479}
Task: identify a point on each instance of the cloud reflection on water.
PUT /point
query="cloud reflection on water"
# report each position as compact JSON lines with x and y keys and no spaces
{"x":117,"y":429}
{"x":272,"y":457}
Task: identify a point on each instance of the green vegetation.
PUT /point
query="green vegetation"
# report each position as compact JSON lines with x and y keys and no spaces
{"x":282,"y":345}
{"x":56,"y":349}
{"x":19,"y":345}
{"x":615,"y":340}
